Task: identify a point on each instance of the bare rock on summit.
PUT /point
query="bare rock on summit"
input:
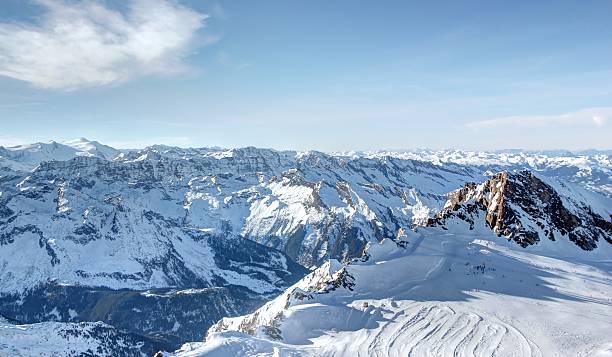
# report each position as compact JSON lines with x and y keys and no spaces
{"x":523,"y":208}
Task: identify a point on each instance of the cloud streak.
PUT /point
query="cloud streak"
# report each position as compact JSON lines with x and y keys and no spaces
{"x":85,"y":44}
{"x":590,"y":116}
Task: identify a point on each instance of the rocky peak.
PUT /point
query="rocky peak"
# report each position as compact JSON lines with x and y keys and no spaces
{"x":523,"y":208}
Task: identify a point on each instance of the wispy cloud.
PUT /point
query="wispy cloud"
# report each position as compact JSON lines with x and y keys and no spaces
{"x":591,"y":116}
{"x":85,"y":44}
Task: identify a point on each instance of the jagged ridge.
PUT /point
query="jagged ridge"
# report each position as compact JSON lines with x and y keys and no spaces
{"x":522,"y":207}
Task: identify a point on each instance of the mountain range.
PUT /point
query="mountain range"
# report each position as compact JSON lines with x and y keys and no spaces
{"x":150,"y":248}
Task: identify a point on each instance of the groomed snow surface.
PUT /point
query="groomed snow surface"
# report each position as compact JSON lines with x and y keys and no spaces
{"x":443,"y":295}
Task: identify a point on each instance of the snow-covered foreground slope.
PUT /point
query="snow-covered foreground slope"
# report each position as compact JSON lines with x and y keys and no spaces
{"x":443,"y":294}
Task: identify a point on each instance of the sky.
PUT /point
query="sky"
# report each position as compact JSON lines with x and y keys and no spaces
{"x":318,"y":74}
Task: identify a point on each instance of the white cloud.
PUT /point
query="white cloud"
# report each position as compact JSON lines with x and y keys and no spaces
{"x":85,"y":44}
{"x":590,"y":116}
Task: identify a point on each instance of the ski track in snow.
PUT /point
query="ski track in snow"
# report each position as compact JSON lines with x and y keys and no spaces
{"x":439,"y":330}
{"x":442,"y":331}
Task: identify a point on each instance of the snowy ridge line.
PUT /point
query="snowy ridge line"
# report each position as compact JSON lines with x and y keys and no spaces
{"x":590,"y":168}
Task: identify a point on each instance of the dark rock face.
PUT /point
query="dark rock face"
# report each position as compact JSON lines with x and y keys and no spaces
{"x":111,"y":341}
{"x":170,"y":316}
{"x":342,"y":279}
{"x":525,"y":209}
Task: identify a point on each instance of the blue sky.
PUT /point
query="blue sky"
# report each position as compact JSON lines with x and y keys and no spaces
{"x":326,"y":75}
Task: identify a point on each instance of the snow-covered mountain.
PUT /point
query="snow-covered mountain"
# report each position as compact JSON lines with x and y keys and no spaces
{"x":26,"y":157}
{"x":164,"y":241}
{"x":50,"y":339}
{"x":589,"y":168}
{"x":522,"y":207}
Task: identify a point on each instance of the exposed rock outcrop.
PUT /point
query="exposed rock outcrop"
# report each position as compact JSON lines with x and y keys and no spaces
{"x":523,"y":208}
